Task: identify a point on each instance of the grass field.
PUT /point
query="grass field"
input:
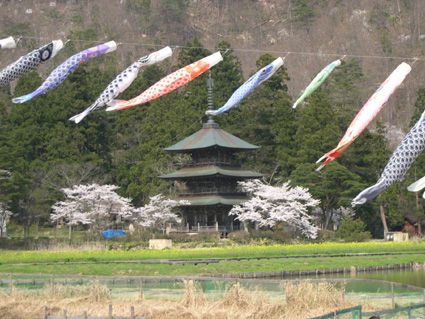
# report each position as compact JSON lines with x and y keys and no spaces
{"x":29,"y":261}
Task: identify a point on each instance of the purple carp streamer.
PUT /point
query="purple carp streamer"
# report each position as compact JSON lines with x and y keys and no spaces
{"x":29,"y":62}
{"x":8,"y":43}
{"x":405,"y":154}
{"x":123,"y":81}
{"x":60,"y":73}
{"x":249,"y":86}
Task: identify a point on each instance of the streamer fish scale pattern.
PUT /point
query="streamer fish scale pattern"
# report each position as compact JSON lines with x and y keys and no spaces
{"x":25,"y":64}
{"x":62,"y":71}
{"x":406,"y":153}
{"x":113,"y":89}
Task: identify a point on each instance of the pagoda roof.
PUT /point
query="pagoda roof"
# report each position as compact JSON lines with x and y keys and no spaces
{"x":208,"y":200}
{"x":210,"y":170}
{"x":210,"y":135}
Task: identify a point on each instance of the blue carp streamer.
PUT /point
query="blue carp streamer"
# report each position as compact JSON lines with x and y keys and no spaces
{"x":249,"y":86}
{"x":60,"y":73}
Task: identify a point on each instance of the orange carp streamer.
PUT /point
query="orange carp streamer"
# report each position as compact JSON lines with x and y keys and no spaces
{"x":169,"y":83}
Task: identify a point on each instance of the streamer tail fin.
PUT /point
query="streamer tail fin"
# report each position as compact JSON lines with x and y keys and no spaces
{"x":116,"y":105}
{"x":79,"y":117}
{"x":328,"y":157}
{"x":369,"y":193}
{"x":23,"y":98}
{"x":417,"y":186}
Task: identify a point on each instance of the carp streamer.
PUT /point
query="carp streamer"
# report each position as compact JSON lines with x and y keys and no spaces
{"x":7,"y":43}
{"x":169,"y":83}
{"x":405,"y":154}
{"x":60,"y":73}
{"x":417,"y":186}
{"x":317,"y":81}
{"x":249,"y":86}
{"x":123,"y":81}
{"x":29,"y":62}
{"x":368,"y":112}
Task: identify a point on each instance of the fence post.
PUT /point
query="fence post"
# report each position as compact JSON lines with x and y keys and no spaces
{"x":45,"y":312}
{"x":132,"y":312}
{"x":10,"y":284}
{"x":65,"y":315}
{"x":392,"y":296}
{"x":110,"y":311}
{"x":85,"y":314}
{"x":424,"y":304}
{"x":141,"y":289}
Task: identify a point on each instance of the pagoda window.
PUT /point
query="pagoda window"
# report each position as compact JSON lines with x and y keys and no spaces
{"x":213,"y":157}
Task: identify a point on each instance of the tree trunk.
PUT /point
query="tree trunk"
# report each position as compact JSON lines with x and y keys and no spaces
{"x":27,"y":226}
{"x":417,"y":200}
{"x":328,"y":219}
{"x":70,"y":234}
{"x":383,"y":218}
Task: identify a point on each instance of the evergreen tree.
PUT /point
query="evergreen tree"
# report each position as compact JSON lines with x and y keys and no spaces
{"x":335,"y":186}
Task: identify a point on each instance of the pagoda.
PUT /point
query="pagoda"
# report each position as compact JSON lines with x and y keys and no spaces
{"x":209,"y":181}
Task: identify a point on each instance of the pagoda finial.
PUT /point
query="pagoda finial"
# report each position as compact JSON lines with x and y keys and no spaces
{"x":210,"y":84}
{"x":210,"y":101}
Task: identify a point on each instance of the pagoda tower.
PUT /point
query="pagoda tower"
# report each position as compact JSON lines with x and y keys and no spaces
{"x":209,"y":180}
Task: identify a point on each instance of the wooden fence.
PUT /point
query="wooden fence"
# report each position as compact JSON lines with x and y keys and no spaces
{"x":84,"y":315}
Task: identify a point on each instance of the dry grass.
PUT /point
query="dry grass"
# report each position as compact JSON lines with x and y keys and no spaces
{"x":299,"y":300}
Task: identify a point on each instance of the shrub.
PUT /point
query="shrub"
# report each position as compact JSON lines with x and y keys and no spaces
{"x":352,"y":230}
{"x":240,"y":237}
{"x":200,"y":237}
{"x":279,"y":236}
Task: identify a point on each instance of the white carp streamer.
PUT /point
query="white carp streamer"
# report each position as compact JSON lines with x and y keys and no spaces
{"x":123,"y":81}
{"x":368,"y":112}
{"x":8,"y":43}
{"x":417,"y":186}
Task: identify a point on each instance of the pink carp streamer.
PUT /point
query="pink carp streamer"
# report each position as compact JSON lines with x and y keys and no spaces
{"x":169,"y":83}
{"x":368,"y":112}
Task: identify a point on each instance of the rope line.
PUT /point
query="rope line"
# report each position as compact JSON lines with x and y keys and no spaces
{"x":283,"y":52}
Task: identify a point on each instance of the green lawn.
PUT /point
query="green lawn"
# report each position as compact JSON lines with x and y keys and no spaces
{"x":210,"y":269}
{"x":23,"y":261}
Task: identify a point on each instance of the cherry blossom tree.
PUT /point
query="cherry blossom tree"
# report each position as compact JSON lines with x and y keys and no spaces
{"x":95,"y":205}
{"x":271,"y":205}
{"x":5,"y":214}
{"x":158,"y":212}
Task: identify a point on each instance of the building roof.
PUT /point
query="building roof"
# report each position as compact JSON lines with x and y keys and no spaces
{"x":209,"y":200}
{"x":210,"y":135}
{"x":210,"y":170}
